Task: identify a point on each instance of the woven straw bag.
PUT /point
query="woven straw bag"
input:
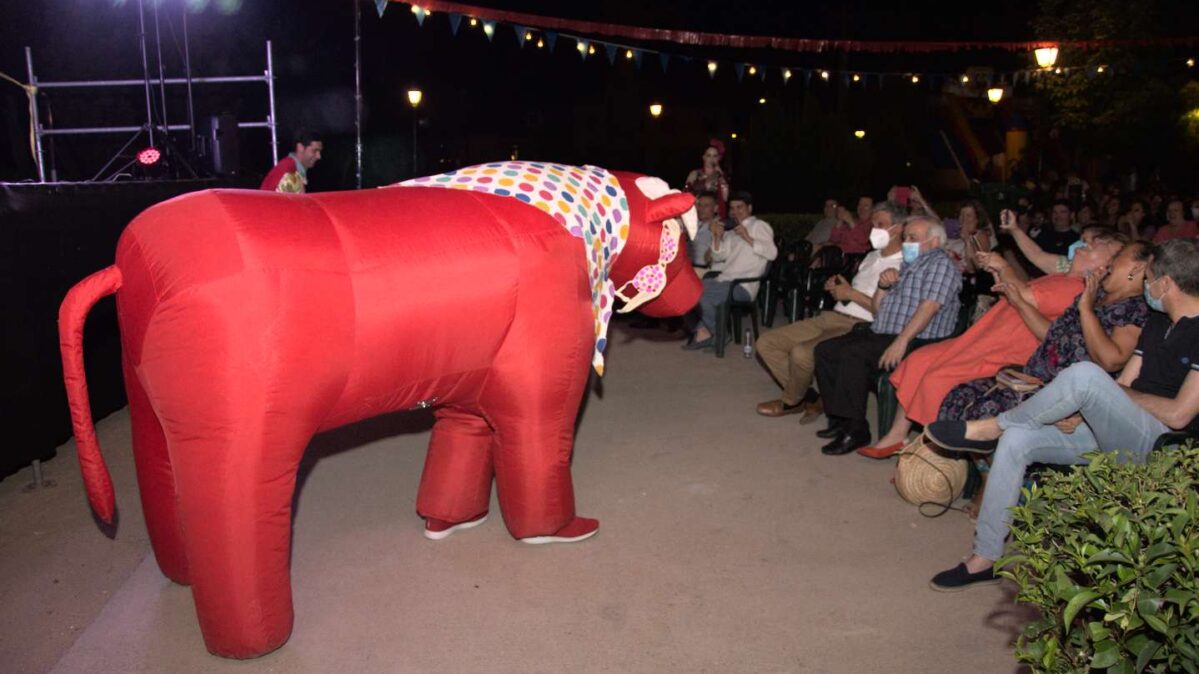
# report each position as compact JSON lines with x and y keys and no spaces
{"x":923,"y":475}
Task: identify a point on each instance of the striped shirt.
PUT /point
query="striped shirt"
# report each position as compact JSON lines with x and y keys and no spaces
{"x":933,"y":276}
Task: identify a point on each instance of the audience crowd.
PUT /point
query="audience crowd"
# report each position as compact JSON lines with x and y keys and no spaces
{"x":1071,"y":326}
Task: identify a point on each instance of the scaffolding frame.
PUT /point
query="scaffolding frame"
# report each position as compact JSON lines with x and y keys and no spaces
{"x":39,"y":133}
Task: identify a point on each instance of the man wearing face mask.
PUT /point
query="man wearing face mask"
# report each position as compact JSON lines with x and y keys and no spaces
{"x":911,"y":306}
{"x":789,"y":352}
{"x":1083,"y":410}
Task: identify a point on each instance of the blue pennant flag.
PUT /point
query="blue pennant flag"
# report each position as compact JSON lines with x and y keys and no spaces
{"x":807,"y":78}
{"x":664,"y":58}
{"x":581,"y":45}
{"x":520,"y":34}
{"x":551,"y":38}
{"x":420,"y":14}
{"x":381,"y":5}
{"x":637,"y":58}
{"x":740,"y":68}
{"x":489,"y":30}
{"x":455,"y":21}
{"x":611,"y":49}
{"x":762,"y":74}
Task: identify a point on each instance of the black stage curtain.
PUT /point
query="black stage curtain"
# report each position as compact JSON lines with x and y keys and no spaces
{"x":51,"y":236}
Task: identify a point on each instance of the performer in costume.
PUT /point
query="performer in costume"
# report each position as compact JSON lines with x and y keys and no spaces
{"x":291,"y":173}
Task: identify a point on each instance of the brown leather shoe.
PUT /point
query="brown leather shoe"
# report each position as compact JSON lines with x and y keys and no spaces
{"x":812,"y":412}
{"x":777,"y":408}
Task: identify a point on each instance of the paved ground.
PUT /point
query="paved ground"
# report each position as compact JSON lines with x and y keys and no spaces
{"x":728,"y":544}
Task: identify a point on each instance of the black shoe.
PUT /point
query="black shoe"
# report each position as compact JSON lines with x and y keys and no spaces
{"x":958,"y":579}
{"x":849,"y":441}
{"x":952,"y":435}
{"x":835,"y":427}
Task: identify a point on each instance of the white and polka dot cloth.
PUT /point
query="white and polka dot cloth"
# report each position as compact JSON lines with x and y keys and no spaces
{"x":587,"y":200}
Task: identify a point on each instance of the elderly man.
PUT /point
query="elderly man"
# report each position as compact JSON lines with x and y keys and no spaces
{"x":789,"y":352}
{"x":700,"y":248}
{"x":1083,"y":410}
{"x":912,"y":306}
{"x":745,"y":251}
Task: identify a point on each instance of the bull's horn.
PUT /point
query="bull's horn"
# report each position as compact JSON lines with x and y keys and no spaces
{"x":670,"y":206}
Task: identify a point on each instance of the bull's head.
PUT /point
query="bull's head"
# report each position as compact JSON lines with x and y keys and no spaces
{"x":651,"y":273}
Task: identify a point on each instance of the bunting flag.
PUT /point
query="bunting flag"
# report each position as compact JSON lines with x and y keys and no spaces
{"x":700,"y":39}
{"x":587,"y":46}
{"x":381,"y":5}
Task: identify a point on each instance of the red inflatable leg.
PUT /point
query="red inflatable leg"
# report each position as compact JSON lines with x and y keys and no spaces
{"x":532,"y":397}
{"x":156,"y":482}
{"x":456,"y":483}
{"x":238,"y":529}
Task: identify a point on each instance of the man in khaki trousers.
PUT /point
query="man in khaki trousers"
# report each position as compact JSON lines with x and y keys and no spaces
{"x":789,"y":351}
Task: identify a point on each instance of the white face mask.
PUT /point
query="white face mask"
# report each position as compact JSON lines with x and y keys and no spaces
{"x":651,"y":278}
{"x":879,"y":238}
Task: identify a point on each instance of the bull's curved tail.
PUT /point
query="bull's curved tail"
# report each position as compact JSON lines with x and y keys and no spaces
{"x":71,"y":317}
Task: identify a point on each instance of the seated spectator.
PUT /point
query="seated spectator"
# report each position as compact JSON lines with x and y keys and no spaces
{"x":789,"y":351}
{"x":1008,"y":333}
{"x":974,"y":236}
{"x":913,"y":305}
{"x":1085,"y":216}
{"x":920,"y":206}
{"x":852,"y":236}
{"x":1057,"y":238}
{"x":1132,"y":221}
{"x":700,"y":248}
{"x":823,"y":229}
{"x":1110,"y":209}
{"x":1084,"y":410}
{"x":1177,"y":226}
{"x":745,"y":250}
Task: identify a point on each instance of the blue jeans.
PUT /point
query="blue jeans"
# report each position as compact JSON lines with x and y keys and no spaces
{"x":1113,"y":423}
{"x":715,"y":294}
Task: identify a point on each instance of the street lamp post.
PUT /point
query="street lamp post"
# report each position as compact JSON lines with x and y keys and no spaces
{"x":414,"y":98}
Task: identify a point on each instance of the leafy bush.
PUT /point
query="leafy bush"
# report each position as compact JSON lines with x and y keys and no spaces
{"x":1108,"y":553}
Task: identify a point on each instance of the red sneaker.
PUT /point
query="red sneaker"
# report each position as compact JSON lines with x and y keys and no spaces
{"x":580,"y":528}
{"x":435,"y":530}
{"x":881,"y":452}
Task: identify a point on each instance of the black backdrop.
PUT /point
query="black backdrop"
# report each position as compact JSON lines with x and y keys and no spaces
{"x":51,"y":236}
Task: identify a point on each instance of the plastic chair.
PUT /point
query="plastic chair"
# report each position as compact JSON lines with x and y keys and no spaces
{"x":788,"y":280}
{"x":731,"y":311}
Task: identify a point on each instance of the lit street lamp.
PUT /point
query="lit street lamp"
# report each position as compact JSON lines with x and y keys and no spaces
{"x":995,"y":94}
{"x":655,"y":110}
{"x":1046,"y":56}
{"x":414,"y":98}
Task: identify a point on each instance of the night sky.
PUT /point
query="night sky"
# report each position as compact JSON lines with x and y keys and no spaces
{"x":485,"y":100}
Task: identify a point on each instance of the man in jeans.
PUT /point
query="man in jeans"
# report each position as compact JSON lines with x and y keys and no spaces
{"x":912,"y":306}
{"x":1083,"y":410}
{"x":745,"y":251}
{"x":789,"y":352}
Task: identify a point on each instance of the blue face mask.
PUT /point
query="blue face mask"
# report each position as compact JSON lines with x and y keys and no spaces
{"x":1154,"y":303}
{"x":1070,"y":252}
{"x":911,"y":251}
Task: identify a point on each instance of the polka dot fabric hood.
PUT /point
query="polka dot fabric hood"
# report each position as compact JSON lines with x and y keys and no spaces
{"x":586,"y":200}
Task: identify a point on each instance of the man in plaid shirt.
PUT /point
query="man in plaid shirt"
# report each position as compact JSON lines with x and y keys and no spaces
{"x":915,"y":305}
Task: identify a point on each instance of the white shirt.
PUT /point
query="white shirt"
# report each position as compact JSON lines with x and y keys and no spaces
{"x":866,"y":281}
{"x":746,"y":260}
